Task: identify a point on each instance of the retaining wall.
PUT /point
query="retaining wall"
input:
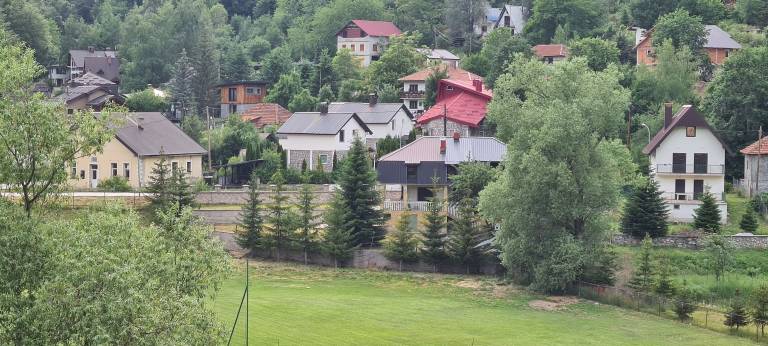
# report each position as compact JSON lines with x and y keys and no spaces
{"x":696,"y":242}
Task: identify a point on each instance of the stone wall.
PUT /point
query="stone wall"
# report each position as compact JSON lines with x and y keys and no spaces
{"x":435,"y":128}
{"x":296,"y":157}
{"x":323,"y":195}
{"x":696,"y":242}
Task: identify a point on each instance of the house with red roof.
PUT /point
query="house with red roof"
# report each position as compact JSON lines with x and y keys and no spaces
{"x":266,"y":114}
{"x":460,"y":107}
{"x":366,"y":39}
{"x":415,"y":85}
{"x":550,"y":53}
{"x":756,"y":168}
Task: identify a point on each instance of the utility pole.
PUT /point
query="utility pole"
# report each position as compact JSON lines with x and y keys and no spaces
{"x":208,"y":117}
{"x":759,"y":152}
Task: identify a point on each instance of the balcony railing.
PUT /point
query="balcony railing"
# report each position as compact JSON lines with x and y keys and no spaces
{"x":688,"y":196}
{"x":416,"y":206}
{"x":689,"y":169}
{"x":411,"y":94}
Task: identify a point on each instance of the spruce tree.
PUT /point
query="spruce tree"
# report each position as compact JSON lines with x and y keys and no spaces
{"x":759,"y":307}
{"x":358,"y":186}
{"x":737,"y":314}
{"x":181,"y":190}
{"x":338,"y":240}
{"x":432,"y":249}
{"x":664,"y":285}
{"x":685,"y":303}
{"x":160,"y":182}
{"x":306,"y":235}
{"x":181,"y":85}
{"x":748,"y":221}
{"x":249,"y":236}
{"x":642,"y":277}
{"x":463,"y":238}
{"x":400,"y":245}
{"x":280,"y":220}
{"x":645,"y":212}
{"x":707,"y":216}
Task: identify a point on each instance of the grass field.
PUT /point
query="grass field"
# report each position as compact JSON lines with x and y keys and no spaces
{"x":298,"y":305}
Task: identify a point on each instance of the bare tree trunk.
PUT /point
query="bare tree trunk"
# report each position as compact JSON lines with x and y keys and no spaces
{"x":401,"y":265}
{"x":306,"y":259}
{"x":335,"y":263}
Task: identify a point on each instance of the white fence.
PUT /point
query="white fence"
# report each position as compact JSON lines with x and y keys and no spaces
{"x":416,"y":206}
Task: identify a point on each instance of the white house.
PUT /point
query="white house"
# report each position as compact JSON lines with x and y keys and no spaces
{"x":488,"y":23}
{"x":688,"y":158}
{"x":366,"y":39}
{"x":312,"y":136}
{"x":383,"y":119}
{"x":441,"y":56}
{"x":513,"y":17}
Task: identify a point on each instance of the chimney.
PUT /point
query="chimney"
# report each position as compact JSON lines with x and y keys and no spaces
{"x":323,"y":108}
{"x":442,"y":146}
{"x":667,"y":114}
{"x":91,"y":49}
{"x":139,"y":121}
{"x":372,"y":99}
{"x":456,"y":136}
{"x":478,"y":84}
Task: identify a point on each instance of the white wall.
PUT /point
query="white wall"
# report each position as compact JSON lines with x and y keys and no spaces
{"x":685,"y":211}
{"x":367,"y":43}
{"x":324,"y":142}
{"x":402,"y":126}
{"x":422,"y":86}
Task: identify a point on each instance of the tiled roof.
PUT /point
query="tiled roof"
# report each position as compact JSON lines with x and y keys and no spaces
{"x":548,"y":50}
{"x":79,"y":55}
{"x":441,"y":54}
{"x":73,"y":93}
{"x":427,"y":148}
{"x":379,"y":113}
{"x":149,"y":133}
{"x":262,"y":114}
{"x":316,"y":123}
{"x":687,"y":116}
{"x":454,"y":73}
{"x":717,"y":38}
{"x":377,"y":27}
{"x":105,"y":67}
{"x":467,"y":107}
{"x":757,"y":148}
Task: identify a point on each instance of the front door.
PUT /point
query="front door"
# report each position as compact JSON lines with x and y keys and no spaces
{"x":94,"y":175}
{"x":698,"y":189}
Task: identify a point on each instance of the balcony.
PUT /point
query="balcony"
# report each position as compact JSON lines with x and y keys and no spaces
{"x":690,"y":169}
{"x":412,"y":94}
{"x":416,"y":206}
{"x":687,"y":196}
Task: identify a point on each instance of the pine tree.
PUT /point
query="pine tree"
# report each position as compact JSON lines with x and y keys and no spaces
{"x":748,"y":221}
{"x":432,"y":249}
{"x":250,"y":218}
{"x":326,"y":94}
{"x":645,"y":212}
{"x":338,"y":240}
{"x":181,"y":190}
{"x":707,"y":216}
{"x":160,"y":183}
{"x":642,"y":277}
{"x":737,"y":314}
{"x":358,"y":186}
{"x":322,"y":73}
{"x":759,"y":307}
{"x":280,"y":219}
{"x":306,"y":236}
{"x":205,"y":59}
{"x":463,"y":237}
{"x":685,"y":303}
{"x":400,"y":245}
{"x":181,"y":85}
{"x":664,"y":285}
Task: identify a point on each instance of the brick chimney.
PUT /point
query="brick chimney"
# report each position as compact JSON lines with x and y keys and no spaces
{"x":456,"y":136}
{"x":323,"y":108}
{"x":667,"y":114}
{"x":442,"y":146}
{"x":91,"y":49}
{"x":372,"y":99}
{"x":478,"y":84}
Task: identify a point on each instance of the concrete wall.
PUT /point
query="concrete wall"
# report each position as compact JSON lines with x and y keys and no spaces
{"x":323,"y":195}
{"x":696,"y":242}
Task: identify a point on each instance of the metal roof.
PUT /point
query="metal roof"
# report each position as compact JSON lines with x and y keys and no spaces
{"x":316,"y":123}
{"x":717,"y":38}
{"x":427,"y":149}
{"x":79,"y":55}
{"x":90,"y":78}
{"x":152,"y":134}
{"x":106,"y":67}
{"x":441,"y":54}
{"x":379,"y":113}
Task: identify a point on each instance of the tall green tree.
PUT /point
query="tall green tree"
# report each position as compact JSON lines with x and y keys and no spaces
{"x":251,"y":221}
{"x":357,"y":181}
{"x":645,"y":212}
{"x":463,"y":237}
{"x":400,"y":58}
{"x":720,"y":253}
{"x":753,"y":12}
{"x":306,"y":236}
{"x":400,"y":244}
{"x":599,"y":53}
{"x":303,"y":102}
{"x":181,"y":85}
{"x":645,"y":13}
{"x":338,"y":239}
{"x":663,"y":284}
{"x":707,"y":216}
{"x":433,"y":234}
{"x":758,"y":311}
{"x":499,"y":48}
{"x":582,"y":17}
{"x":463,"y":16}
{"x":430,"y":85}
{"x":160,"y":184}
{"x":322,"y":73}
{"x":642,"y":276}
{"x":672,"y":80}
{"x":181,"y":190}
{"x":275,"y":64}
{"x":681,"y":29}
{"x":236,"y":65}
{"x":284,"y":91}
{"x":387,"y":145}
{"x":737,"y":315}
{"x":26,"y":21}
{"x":471,"y":178}
{"x":280,"y":219}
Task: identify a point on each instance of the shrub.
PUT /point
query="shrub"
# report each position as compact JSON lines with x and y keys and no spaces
{"x":115,"y":184}
{"x":748,"y":221}
{"x":707,"y":216}
{"x":737,"y":314}
{"x":146,"y":101}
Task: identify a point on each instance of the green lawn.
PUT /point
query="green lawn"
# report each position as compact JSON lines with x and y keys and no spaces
{"x":297,"y":305}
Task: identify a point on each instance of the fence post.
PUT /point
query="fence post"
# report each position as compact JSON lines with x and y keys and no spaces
{"x":706,"y":317}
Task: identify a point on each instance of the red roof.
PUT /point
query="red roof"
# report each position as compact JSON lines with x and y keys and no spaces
{"x":548,"y":50}
{"x":757,"y":148}
{"x":377,"y":27}
{"x":454,"y":73}
{"x":465,"y":106}
{"x":262,"y":114}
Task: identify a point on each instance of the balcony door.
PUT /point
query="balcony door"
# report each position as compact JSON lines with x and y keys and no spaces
{"x":700,"y":163}
{"x":680,"y":189}
{"x":678,"y":162}
{"x":698,"y":189}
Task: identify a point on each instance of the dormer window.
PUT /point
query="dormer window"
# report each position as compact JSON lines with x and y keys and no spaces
{"x":690,"y":131}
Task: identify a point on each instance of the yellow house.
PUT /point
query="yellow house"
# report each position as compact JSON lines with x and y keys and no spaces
{"x":139,"y":143}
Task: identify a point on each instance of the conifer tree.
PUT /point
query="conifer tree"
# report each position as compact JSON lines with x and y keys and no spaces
{"x":645,"y":212}
{"x":160,"y":182}
{"x":338,"y":240}
{"x":642,"y":277}
{"x":748,"y":221}
{"x":249,"y":236}
{"x":685,"y":303}
{"x":737,"y":314}
{"x":181,"y":85}
{"x":303,"y":166}
{"x":280,"y":220}
{"x":400,"y":245}
{"x":759,"y":307}
{"x":463,"y":238}
{"x":707,"y":216}
{"x":358,"y":186}
{"x":432,"y":249}
{"x":664,"y":285}
{"x":306,"y":235}
{"x":181,"y":190}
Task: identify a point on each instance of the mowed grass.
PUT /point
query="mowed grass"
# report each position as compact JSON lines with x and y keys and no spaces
{"x":299,"y":305}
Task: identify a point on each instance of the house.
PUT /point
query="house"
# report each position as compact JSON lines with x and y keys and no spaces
{"x":719,"y":46}
{"x":103,"y":63}
{"x":93,"y":97}
{"x":383,"y":119}
{"x":240,"y":96}
{"x":755,"y":168}
{"x":513,"y":17}
{"x":141,"y":139}
{"x":311,"y":136}
{"x":460,"y":107}
{"x":488,"y":23}
{"x":441,"y":56}
{"x":366,"y":39}
{"x":430,"y":160}
{"x":57,"y":75}
{"x":89,"y":78}
{"x":687,"y":158}
{"x":415,"y":85}
{"x":550,"y":53}
{"x":266,"y":114}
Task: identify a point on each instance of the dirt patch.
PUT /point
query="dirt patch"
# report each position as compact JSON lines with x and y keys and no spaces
{"x":473,"y":284}
{"x":554,"y":303}
{"x":503,"y":291}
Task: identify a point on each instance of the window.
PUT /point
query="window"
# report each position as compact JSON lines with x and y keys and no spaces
{"x":727,"y":53}
{"x":506,"y":21}
{"x":70,"y":111}
{"x":411,"y":171}
{"x":680,"y":189}
{"x":82,"y":174}
{"x":341,"y":136}
{"x":189,"y":166}
{"x":449,"y":88}
{"x":393,"y":123}
{"x":362,"y":47}
{"x":323,"y":158}
{"x":352,"y":47}
{"x":484,"y":28}
{"x":414,"y":88}
{"x":127,"y":170}
{"x":73,"y":172}
{"x":232,"y":108}
{"x":678,"y":162}
{"x":550,"y":60}
{"x":343,"y":46}
{"x":413,"y":104}
{"x":690,"y":131}
{"x":676,"y":206}
{"x":232,"y":94}
{"x":174,"y":166}
{"x":354,"y":133}
{"x":513,"y":31}
{"x":249,"y":91}
{"x":258,"y":91}
{"x":700,"y":163}
{"x":698,"y":189}
{"x":113,"y":165}
{"x":375,"y":47}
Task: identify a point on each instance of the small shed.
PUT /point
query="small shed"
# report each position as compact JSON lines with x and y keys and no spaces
{"x":756,"y":167}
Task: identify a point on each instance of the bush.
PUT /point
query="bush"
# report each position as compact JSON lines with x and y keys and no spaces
{"x":115,"y":184}
{"x":146,"y":101}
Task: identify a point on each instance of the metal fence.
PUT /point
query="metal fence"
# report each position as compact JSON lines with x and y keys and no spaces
{"x":705,"y":315}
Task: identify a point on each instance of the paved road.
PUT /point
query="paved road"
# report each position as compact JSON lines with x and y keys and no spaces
{"x":219,"y":217}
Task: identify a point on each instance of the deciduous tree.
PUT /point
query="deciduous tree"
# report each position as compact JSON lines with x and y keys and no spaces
{"x":599,"y":53}
{"x":580,"y":16}
{"x":720,"y":255}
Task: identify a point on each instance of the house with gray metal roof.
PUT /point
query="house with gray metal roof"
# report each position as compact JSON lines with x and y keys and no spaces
{"x":412,"y":168}
{"x":384,"y":119}
{"x":315,"y":138}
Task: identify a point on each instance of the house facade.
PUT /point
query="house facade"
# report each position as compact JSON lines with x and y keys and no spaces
{"x":93,"y":97}
{"x":513,"y":17}
{"x":550,"y":53}
{"x":460,"y":107}
{"x":755,"y":180}
{"x":414,"y":89}
{"x":366,"y":39}
{"x":440,"y":56}
{"x":103,"y":63}
{"x":488,"y":23}
{"x":239,"y":96}
{"x":383,"y":119}
{"x":140,"y":141}
{"x":719,"y":46}
{"x":318,"y":136}
{"x":688,"y":158}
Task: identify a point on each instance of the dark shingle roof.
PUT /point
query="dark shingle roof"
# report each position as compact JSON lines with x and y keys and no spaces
{"x":76,"y":92}
{"x":149,"y":133}
{"x":379,"y":113}
{"x":79,"y":55}
{"x":105,"y":67}
{"x":427,"y":148}
{"x":315,"y":123}
{"x":717,"y":38}
{"x":687,"y":116}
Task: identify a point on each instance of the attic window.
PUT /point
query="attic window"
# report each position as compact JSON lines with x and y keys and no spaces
{"x":449,"y":88}
{"x":690,"y":131}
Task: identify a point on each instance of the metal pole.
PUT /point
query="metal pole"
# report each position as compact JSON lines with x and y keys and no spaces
{"x":759,"y":149}
{"x":208,"y":117}
{"x":247,"y":298}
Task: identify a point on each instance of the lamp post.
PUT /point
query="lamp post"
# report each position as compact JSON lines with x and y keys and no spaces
{"x":649,"y":131}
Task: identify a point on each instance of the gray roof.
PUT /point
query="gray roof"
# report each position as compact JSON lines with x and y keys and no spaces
{"x":149,"y":133}
{"x":380,"y":113}
{"x":717,"y":38}
{"x":427,"y":148}
{"x":516,"y":16}
{"x":79,"y":55}
{"x":315,"y":123}
{"x":76,"y":92}
{"x":89,"y":78}
{"x":492,"y":14}
{"x":106,"y":67}
{"x":441,"y":54}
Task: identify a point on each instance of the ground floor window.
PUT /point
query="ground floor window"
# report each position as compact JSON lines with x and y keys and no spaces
{"x":323,"y":158}
{"x":127,"y":170}
{"x":174,"y":166}
{"x":73,"y":172}
{"x":113,"y":165}
{"x":189,"y":166}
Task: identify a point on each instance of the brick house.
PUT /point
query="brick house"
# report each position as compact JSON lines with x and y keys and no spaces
{"x":460,"y":107}
{"x":719,"y":46}
{"x":366,"y":39}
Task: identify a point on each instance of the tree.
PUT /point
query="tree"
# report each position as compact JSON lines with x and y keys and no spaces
{"x":181,"y":85}
{"x":25,"y":21}
{"x":430,"y":85}
{"x":580,"y":16}
{"x":193,"y":127}
{"x":400,"y":58}
{"x":306,"y":236}
{"x":759,"y":307}
{"x":671,"y":81}
{"x":251,"y":221}
{"x":599,"y":53}
{"x":646,"y":12}
{"x":471,"y":178}
{"x":737,"y":315}
{"x":642,"y":276}
{"x":720,"y":255}
{"x":160,"y":182}
{"x":357,"y":181}
{"x":326,"y":94}
{"x":322,"y":73}
{"x":463,"y":237}
{"x":707,"y":216}
{"x":433,"y":235}
{"x":400,"y":245}
{"x":302,"y":102}
{"x":275,"y":65}
{"x":463,"y":15}
{"x":235,"y":64}
{"x":284,"y":90}
{"x":476,"y":63}
{"x":499,"y":49}
{"x":146,"y":101}
{"x":664,"y":285}
{"x":338,"y":240}
{"x":180,"y":189}
{"x":685,"y":303}
{"x":345,"y":66}
{"x":329,"y":18}
{"x":753,"y":12}
{"x":645,"y":212}
{"x":748,"y":221}
{"x":681,"y":29}
{"x":280,"y":220}
{"x":387,"y":145}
